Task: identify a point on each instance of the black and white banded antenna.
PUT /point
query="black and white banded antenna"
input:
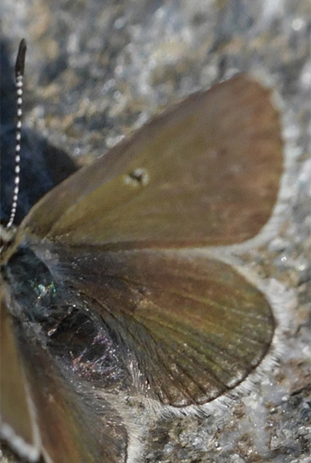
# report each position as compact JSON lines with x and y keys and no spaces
{"x":19,"y":79}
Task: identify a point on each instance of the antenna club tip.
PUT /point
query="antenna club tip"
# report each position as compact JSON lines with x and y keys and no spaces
{"x":23,"y":44}
{"x":20,"y":60}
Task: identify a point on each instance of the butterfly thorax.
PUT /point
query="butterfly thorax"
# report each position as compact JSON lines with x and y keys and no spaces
{"x":61,"y":320}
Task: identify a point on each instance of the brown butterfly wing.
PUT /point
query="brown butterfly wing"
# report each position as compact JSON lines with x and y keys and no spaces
{"x":205,"y":173}
{"x":194,"y":327}
{"x":17,"y":415}
{"x":72,"y":426}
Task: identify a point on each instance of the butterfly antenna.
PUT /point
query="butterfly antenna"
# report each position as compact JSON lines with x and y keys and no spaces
{"x":19,"y":79}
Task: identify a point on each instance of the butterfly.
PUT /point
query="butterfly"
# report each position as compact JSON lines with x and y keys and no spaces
{"x":105,"y":289}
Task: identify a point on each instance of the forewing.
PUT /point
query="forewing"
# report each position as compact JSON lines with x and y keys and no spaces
{"x":205,"y":173}
{"x":74,"y":425}
{"x":195,"y":328}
